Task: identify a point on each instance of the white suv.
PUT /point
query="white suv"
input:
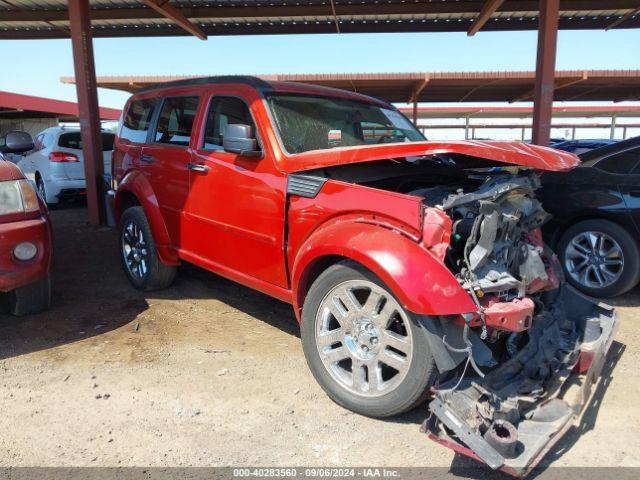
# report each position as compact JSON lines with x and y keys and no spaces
{"x":56,"y":165}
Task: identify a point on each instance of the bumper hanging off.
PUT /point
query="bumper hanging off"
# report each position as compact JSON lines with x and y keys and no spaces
{"x":511,"y":417}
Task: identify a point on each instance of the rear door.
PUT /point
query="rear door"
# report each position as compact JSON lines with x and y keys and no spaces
{"x":624,"y":169}
{"x":165,"y":160}
{"x":132,"y":135}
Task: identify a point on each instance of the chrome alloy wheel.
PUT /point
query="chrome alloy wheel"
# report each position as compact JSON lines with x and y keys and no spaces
{"x":594,"y":259}
{"x":134,"y":250}
{"x":363,"y":338}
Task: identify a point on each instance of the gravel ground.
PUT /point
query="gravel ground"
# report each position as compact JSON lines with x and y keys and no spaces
{"x":209,"y":373}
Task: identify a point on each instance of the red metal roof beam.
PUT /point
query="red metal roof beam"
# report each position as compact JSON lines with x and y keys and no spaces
{"x":545,"y":71}
{"x":418,"y":90}
{"x":623,"y":19}
{"x":558,"y":85}
{"x":488,"y":9}
{"x":172,"y":13}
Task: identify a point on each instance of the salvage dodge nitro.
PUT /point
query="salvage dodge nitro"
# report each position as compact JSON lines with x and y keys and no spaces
{"x":416,"y":269}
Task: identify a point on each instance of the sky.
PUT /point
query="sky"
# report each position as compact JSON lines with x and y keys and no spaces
{"x":35,"y":66}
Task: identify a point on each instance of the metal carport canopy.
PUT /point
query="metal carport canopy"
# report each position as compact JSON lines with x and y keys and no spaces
{"x":583,"y":85}
{"x":15,"y":105}
{"x":82,"y":20}
{"x":117,"y":18}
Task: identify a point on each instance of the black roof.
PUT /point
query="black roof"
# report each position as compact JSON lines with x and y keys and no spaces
{"x":255,"y":82}
{"x":219,"y":79}
{"x":597,"y":154}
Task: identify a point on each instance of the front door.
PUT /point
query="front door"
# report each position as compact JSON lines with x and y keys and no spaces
{"x":165,"y":160}
{"x":236,"y":207}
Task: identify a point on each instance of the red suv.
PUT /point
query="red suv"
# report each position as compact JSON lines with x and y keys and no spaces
{"x":415,"y":268}
{"x":25,"y":235}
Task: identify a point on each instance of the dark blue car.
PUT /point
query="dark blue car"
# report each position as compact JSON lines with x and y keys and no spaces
{"x":582,"y":146}
{"x":595,"y":227}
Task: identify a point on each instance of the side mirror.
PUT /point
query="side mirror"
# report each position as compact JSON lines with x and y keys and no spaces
{"x":239,"y":139}
{"x":16,"y":142}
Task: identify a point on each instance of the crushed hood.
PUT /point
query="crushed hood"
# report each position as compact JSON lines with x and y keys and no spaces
{"x":512,"y":153}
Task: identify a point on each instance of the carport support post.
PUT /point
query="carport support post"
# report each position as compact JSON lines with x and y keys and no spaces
{"x":89,"y":114}
{"x":545,"y":71}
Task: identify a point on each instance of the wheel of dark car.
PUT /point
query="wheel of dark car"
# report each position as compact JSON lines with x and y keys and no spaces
{"x":599,"y":258}
{"x":139,"y":255}
{"x":368,"y":353}
{"x":30,"y":299}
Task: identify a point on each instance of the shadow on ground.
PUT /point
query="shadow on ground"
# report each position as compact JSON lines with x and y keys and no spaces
{"x":91,"y":294}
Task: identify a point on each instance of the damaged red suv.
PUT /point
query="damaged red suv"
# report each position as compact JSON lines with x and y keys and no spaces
{"x":416,"y":269}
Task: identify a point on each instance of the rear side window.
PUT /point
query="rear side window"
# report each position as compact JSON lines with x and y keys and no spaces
{"x":47,"y":140}
{"x":176,"y":120}
{"x":137,"y":120}
{"x":224,"y":111}
{"x":37,"y":143}
{"x":621,"y":163}
{"x":73,"y":140}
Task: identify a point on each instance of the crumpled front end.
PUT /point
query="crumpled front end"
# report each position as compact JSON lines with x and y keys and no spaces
{"x":511,"y":417}
{"x":517,"y":372}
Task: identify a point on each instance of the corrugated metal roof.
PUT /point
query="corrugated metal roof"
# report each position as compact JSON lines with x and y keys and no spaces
{"x":584,"y":85}
{"x":48,"y":18}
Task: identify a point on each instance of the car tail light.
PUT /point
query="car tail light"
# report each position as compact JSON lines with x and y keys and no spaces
{"x":63,"y":157}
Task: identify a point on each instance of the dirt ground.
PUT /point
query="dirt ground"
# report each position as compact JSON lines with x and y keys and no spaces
{"x":209,"y":373}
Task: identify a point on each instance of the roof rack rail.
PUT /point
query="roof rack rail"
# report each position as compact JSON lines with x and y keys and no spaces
{"x":246,"y":79}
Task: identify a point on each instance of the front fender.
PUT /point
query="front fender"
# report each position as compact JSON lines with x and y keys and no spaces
{"x":136,"y":184}
{"x":421,"y":283}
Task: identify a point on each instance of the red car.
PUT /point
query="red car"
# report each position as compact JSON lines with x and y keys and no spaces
{"x":416,"y":268}
{"x":25,"y":235}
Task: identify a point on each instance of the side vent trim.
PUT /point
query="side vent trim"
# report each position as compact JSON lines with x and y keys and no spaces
{"x":306,"y":186}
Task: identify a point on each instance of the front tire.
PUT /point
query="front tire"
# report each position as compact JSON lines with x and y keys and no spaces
{"x":30,"y":299}
{"x":599,"y":258}
{"x":139,"y":255}
{"x":368,"y":354}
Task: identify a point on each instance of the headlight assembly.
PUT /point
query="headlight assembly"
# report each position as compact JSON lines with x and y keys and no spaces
{"x":17,"y":196}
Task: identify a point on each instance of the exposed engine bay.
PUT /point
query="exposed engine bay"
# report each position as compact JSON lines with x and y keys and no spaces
{"x":496,"y":249}
{"x":516,"y":373}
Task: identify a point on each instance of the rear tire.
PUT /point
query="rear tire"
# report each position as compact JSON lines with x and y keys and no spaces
{"x":30,"y":299}
{"x":366,"y":335}
{"x":580,"y":259}
{"x":139,"y":255}
{"x":41,"y":188}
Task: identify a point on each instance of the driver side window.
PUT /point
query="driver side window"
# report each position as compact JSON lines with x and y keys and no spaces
{"x":225,"y":111}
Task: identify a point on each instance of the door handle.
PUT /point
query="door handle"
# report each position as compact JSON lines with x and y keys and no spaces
{"x":147,"y":158}
{"x":198,"y":167}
